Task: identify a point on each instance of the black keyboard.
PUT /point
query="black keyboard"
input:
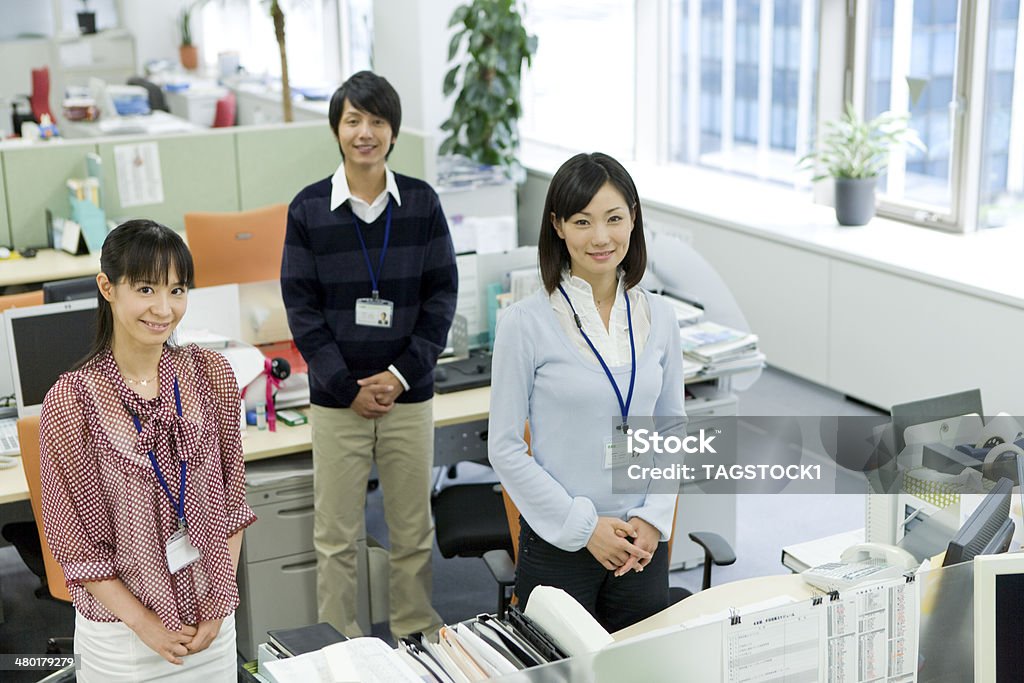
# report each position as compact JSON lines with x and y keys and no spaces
{"x":464,"y":373}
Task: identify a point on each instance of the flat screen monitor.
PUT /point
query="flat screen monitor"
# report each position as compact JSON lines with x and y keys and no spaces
{"x":998,"y":619}
{"x":42,"y":343}
{"x":70,"y":290}
{"x":987,"y":531}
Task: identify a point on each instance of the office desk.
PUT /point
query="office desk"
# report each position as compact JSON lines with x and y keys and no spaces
{"x":156,"y":123}
{"x":458,"y":408}
{"x":47,"y":265}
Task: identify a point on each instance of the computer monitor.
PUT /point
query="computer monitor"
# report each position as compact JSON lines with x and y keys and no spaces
{"x":998,"y":619}
{"x":987,"y":531}
{"x":70,"y":290}
{"x":43,"y":342}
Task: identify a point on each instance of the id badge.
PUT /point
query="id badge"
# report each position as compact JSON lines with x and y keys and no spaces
{"x":180,"y":551}
{"x":374,"y":312}
{"x":616,"y":452}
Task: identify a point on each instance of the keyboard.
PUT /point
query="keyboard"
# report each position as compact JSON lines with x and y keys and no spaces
{"x":9,"y":436}
{"x":465,"y":373}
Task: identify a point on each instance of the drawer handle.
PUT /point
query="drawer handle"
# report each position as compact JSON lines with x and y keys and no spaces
{"x":299,"y":566}
{"x":303,"y":489}
{"x":304,"y":511}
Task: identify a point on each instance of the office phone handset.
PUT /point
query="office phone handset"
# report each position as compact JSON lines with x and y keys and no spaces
{"x":862,"y":563}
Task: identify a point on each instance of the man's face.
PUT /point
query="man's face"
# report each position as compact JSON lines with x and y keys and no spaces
{"x":365,"y":138}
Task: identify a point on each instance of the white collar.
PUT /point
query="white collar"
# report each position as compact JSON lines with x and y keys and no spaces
{"x":340,"y":192}
{"x":579,"y":290}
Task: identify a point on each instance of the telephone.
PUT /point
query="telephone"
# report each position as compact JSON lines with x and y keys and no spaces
{"x":861,"y":563}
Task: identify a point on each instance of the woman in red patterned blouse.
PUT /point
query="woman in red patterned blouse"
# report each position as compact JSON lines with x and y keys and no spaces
{"x":143,"y":479}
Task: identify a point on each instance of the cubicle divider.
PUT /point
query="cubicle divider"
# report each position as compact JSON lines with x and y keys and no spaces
{"x":198,"y":173}
{"x":5,"y":225}
{"x":35,"y":178}
{"x":212,"y":170}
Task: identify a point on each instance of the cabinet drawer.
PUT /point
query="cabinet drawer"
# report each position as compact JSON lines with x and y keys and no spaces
{"x":279,"y":593}
{"x":283,"y":528}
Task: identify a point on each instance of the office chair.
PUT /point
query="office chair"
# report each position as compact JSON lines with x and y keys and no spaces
{"x":224,"y":116}
{"x":22,"y":299}
{"x":243,"y":246}
{"x":469,"y":520}
{"x":57,"y":589}
{"x":40,"y":97}
{"x":502,"y":564}
{"x":154,"y":93}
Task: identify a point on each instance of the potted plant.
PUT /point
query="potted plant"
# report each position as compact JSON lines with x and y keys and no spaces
{"x":854,"y":152}
{"x":482,"y":125}
{"x":86,"y":19}
{"x":187,"y":52}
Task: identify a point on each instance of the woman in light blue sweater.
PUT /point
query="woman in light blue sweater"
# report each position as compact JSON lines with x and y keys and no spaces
{"x":582,"y":361}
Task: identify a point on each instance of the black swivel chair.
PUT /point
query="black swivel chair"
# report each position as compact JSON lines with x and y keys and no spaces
{"x":155,"y":94}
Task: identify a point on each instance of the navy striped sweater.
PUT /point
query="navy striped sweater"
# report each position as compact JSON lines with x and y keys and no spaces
{"x":323,"y":273}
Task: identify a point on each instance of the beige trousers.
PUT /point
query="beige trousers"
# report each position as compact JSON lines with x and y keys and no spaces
{"x":345,"y":446}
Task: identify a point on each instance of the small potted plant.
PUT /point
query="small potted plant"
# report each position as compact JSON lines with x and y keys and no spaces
{"x":854,"y":152}
{"x":86,"y":19}
{"x":187,"y":52}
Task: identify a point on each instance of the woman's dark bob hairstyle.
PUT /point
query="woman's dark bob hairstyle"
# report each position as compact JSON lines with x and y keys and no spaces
{"x":571,"y":190}
{"x":138,"y":251}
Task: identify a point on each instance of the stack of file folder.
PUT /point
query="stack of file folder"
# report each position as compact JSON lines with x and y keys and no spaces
{"x":718,"y":349}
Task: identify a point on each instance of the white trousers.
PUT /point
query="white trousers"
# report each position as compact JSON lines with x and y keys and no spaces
{"x":112,"y":653}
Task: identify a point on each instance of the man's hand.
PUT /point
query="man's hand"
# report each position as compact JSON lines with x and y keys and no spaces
{"x":384,"y":385}
{"x":365,"y":403}
{"x":206,"y":633}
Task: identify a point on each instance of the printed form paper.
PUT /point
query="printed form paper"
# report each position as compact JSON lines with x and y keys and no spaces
{"x":869,"y":633}
{"x":139,"y":181}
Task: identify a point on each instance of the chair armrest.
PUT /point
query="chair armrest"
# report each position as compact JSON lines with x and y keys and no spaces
{"x":716,"y":548}
{"x":499,"y":562}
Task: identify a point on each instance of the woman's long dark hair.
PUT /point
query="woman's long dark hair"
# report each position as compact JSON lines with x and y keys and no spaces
{"x":138,"y":251}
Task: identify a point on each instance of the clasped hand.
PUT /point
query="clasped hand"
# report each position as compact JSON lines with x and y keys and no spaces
{"x":611,"y":546}
{"x":173,"y":645}
{"x":377,"y":394}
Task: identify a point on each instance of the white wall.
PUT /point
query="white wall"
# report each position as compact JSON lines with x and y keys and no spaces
{"x":411,"y":50}
{"x":155,"y":27}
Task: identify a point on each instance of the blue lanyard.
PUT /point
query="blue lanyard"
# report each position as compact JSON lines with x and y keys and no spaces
{"x":383,"y":249}
{"x":623,"y":405}
{"x":178,"y":506}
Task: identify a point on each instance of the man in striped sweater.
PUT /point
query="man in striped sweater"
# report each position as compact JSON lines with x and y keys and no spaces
{"x":369,"y":281}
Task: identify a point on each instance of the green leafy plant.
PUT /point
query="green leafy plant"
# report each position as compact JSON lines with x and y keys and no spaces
{"x":854,"y":148}
{"x":185,"y":21}
{"x":482,"y":125}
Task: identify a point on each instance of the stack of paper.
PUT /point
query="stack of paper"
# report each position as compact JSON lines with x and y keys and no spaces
{"x":719,"y":348}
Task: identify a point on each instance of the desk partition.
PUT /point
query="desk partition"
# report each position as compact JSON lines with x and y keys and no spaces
{"x":753,"y":647}
{"x":211,"y":170}
{"x":199,"y":173}
{"x":5,"y":224}
{"x":35,"y":181}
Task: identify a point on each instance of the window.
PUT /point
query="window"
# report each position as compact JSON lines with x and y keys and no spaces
{"x":580,"y":91}
{"x":920,"y":57}
{"x":312,"y":30}
{"x":742,"y":77}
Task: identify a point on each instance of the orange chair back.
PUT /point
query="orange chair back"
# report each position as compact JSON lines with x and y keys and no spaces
{"x":21,"y":300}
{"x":28,"y":438}
{"x":242,"y":246}
{"x":512,"y":512}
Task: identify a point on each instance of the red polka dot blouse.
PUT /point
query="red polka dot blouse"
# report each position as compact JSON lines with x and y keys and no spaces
{"x":104,"y":511}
